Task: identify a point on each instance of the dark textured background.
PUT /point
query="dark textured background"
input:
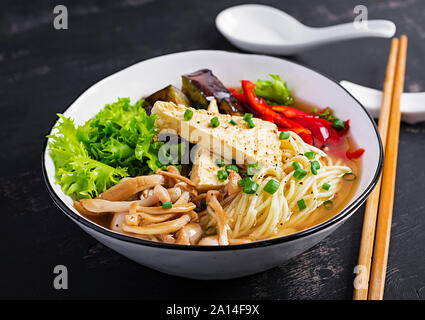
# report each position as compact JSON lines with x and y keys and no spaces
{"x":43,"y":70}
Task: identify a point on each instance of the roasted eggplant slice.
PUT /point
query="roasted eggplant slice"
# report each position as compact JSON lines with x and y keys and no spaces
{"x":167,"y":94}
{"x":202,"y":86}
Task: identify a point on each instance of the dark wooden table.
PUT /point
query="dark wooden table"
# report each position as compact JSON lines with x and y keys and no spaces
{"x":43,"y":70}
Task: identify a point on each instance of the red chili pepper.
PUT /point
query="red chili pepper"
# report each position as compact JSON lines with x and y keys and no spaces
{"x":240,"y":96}
{"x":322,"y":130}
{"x":291,"y":112}
{"x":355,"y":154}
{"x":304,"y":133}
{"x":304,"y":124}
{"x":267,"y":117}
{"x":261,"y":108}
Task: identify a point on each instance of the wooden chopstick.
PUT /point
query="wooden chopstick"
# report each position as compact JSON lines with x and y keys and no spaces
{"x":371,"y":211}
{"x":383,"y":228}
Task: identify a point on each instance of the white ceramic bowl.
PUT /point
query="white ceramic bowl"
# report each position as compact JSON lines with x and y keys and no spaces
{"x":222,"y":262}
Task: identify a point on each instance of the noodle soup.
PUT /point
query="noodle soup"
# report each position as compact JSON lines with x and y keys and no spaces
{"x":297,"y":165}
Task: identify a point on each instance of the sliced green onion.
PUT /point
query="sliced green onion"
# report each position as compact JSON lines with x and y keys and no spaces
{"x":167,"y":205}
{"x":326,"y":186}
{"x":328,"y":204}
{"x":222,"y":175}
{"x":310,"y":155}
{"x":296,"y":165}
{"x":349,"y":176}
{"x":215,"y":122}
{"x":301,"y":204}
{"x":247,"y":116}
{"x":338,"y":124}
{"x":299,"y":174}
{"x":284,"y":135}
{"x":243,"y":182}
{"x":232,"y":167}
{"x":250,"y":187}
{"x":220,"y":162}
{"x":233,"y":122}
{"x":253,"y":168}
{"x":315,"y":165}
{"x":272,"y":186}
{"x":188,"y":114}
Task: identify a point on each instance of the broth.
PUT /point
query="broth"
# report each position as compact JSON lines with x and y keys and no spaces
{"x":348,"y":188}
{"x":321,"y":214}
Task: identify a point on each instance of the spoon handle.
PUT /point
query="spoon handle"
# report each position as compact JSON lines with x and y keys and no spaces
{"x":346,"y":31}
{"x":412,"y":103}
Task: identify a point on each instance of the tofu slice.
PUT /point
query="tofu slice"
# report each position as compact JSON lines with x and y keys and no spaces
{"x":204,"y":171}
{"x":239,"y":142}
{"x":213,"y":107}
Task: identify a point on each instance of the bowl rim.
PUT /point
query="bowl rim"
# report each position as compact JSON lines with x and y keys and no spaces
{"x":345,"y":213}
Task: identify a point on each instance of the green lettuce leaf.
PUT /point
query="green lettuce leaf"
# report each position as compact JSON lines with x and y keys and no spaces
{"x":274,"y":91}
{"x":114,"y":144}
{"x":87,"y":178}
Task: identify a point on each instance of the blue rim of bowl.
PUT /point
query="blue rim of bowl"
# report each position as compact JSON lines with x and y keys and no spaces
{"x":345,"y":213}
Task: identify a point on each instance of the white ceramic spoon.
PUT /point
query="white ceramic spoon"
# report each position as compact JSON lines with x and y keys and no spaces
{"x":264,"y":29}
{"x":412,"y":104}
